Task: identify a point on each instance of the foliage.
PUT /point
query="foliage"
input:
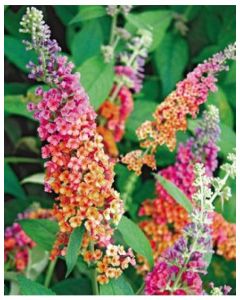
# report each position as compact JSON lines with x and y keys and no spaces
{"x":182,"y":37}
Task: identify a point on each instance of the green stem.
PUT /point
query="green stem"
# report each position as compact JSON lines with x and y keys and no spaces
{"x":113,"y":28}
{"x":129,"y":63}
{"x":50,"y":271}
{"x":141,"y":289}
{"x":94,"y":274}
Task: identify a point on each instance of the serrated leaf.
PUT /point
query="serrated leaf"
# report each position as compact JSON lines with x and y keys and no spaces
{"x":157,"y":21}
{"x":29,"y":287}
{"x":17,"y":105}
{"x":119,"y":286}
{"x":172,"y":49}
{"x":11,"y":183}
{"x":43,"y":232}
{"x":175,"y":192}
{"x":135,"y":238}
{"x":15,"y":51}
{"x":87,"y":42}
{"x":35,"y":178}
{"x":97,"y":79}
{"x":73,"y":248}
{"x":88,"y":12}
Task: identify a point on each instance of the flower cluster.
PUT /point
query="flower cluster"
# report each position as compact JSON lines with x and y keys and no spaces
{"x":77,"y":169}
{"x":112,"y":263}
{"x":177,"y":271}
{"x":113,"y":117}
{"x":17,"y":243}
{"x":114,"y":112}
{"x":170,"y":115}
{"x":166,"y":218}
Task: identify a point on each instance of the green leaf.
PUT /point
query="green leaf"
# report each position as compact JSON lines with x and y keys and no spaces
{"x":143,"y":111}
{"x":43,"y":232}
{"x":73,"y":248}
{"x":12,"y":208}
{"x":15,"y":88}
{"x":221,"y":272}
{"x":73,"y":286}
{"x":17,"y":105}
{"x":175,"y":192}
{"x":11,"y":183}
{"x":17,"y":160}
{"x":12,"y":20}
{"x":157,"y":21}
{"x":219,"y":99}
{"x":119,"y":286}
{"x":97,"y":79}
{"x":88,"y":12}
{"x":15,"y":51}
{"x":35,"y":178}
{"x":227,"y":141}
{"x":29,"y":287}
{"x":135,"y":238}
{"x":171,"y":58}
{"x":37,"y":262}
{"x":87,"y":42}
{"x":66,"y":12}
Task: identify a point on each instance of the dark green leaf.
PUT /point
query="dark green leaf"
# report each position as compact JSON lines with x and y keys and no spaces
{"x":12,"y":208}
{"x":97,"y":79}
{"x":73,"y":248}
{"x":172,"y":49}
{"x":66,"y":12}
{"x":43,"y":232}
{"x":87,"y":42}
{"x":157,"y":21}
{"x":175,"y":192}
{"x":15,"y":88}
{"x":73,"y":286}
{"x":16,"y":53}
{"x":11,"y":183}
{"x":12,"y":20}
{"x":17,"y":105}
{"x":119,"y":286}
{"x":29,"y":287}
{"x":143,"y":111}
{"x":135,"y":238}
{"x":88,"y":12}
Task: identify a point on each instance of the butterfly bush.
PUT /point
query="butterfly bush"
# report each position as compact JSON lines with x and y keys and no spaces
{"x":178,"y":269}
{"x":170,"y":115}
{"x":17,"y":243}
{"x":77,"y":169}
{"x":167,"y":218}
{"x":129,"y":74}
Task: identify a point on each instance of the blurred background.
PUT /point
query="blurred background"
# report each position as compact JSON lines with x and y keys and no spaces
{"x":184,"y":37}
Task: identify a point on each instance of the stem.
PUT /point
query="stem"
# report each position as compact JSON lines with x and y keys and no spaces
{"x":141,"y":289}
{"x":49,"y":274}
{"x":129,"y":63}
{"x":113,"y":28}
{"x":216,"y":193}
{"x":94,"y":274}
